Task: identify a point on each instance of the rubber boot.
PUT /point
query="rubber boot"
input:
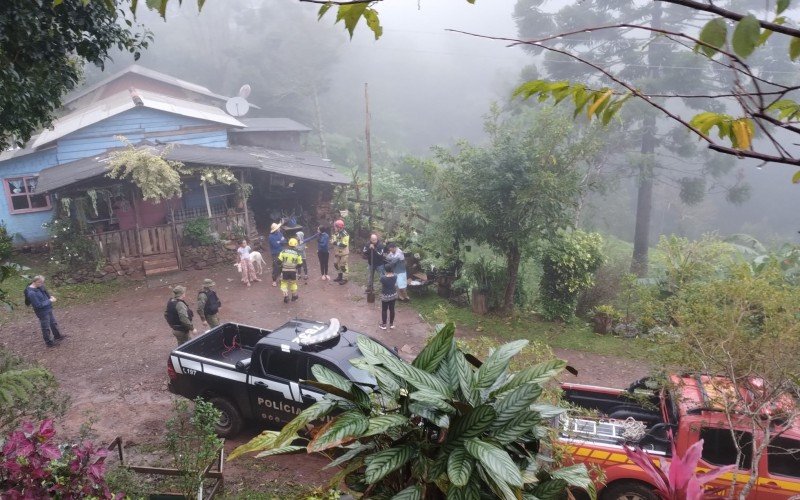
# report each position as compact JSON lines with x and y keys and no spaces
{"x":343,"y":281}
{"x":295,"y":297}
{"x":285,"y":299}
{"x":338,"y":278}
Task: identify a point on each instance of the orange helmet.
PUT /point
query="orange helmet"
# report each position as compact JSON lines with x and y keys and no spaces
{"x":339,"y":224}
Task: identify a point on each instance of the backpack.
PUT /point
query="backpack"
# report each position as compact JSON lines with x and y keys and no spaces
{"x":27,"y":299}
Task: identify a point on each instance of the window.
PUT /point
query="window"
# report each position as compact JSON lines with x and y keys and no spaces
{"x":276,"y":363}
{"x":22,"y":197}
{"x":720,"y":449}
{"x":783,"y":457}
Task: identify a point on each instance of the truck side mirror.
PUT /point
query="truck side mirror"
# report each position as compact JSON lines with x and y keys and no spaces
{"x":243,"y":365}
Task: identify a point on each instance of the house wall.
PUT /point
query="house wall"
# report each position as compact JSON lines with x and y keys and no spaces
{"x":137,"y":125}
{"x":29,"y":225}
{"x":287,"y":140}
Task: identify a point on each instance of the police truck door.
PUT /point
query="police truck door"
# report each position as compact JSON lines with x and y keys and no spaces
{"x":274,"y":392}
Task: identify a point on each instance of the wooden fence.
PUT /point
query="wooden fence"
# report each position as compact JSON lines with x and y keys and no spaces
{"x":157,"y":240}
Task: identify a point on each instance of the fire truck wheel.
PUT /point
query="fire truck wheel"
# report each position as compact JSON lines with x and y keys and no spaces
{"x":230,"y":422}
{"x":629,"y":490}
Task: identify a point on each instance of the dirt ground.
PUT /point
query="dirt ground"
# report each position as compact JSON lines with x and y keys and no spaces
{"x":113,"y":364}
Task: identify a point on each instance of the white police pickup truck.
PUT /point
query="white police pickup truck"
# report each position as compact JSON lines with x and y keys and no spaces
{"x":256,"y":375}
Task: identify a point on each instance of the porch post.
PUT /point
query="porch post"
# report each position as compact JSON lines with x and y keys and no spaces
{"x":175,"y":235}
{"x":136,"y":220}
{"x":208,"y":203}
{"x":246,"y":214}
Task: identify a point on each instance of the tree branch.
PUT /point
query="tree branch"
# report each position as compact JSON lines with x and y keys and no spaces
{"x":713,"y":145}
{"x":339,"y":2}
{"x":736,"y":16}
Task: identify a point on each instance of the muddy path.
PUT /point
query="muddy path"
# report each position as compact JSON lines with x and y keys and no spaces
{"x":113,"y":364}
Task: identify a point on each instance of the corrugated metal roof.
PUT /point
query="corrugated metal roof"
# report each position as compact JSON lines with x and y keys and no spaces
{"x":149,"y":73}
{"x":273,"y":125}
{"x":123,"y":101}
{"x":288,"y":163}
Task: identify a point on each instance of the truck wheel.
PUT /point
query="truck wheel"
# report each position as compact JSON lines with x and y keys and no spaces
{"x":629,"y":490}
{"x":230,"y":422}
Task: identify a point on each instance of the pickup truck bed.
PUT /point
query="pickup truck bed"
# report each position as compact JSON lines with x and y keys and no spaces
{"x":228,"y":343}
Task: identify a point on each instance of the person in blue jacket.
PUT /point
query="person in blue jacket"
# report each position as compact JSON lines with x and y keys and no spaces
{"x":276,"y":242}
{"x":37,"y":296}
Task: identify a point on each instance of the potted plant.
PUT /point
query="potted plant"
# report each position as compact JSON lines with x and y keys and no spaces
{"x":604,"y":318}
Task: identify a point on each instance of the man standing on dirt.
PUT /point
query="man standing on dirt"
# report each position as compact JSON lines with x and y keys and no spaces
{"x":208,"y":304}
{"x":37,"y":296}
{"x":276,"y":241}
{"x":179,"y":315}
{"x":373,"y":251}
{"x":341,"y":250}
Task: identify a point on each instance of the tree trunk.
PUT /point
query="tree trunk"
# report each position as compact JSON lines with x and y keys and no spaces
{"x":512,"y":271}
{"x":644,"y":199}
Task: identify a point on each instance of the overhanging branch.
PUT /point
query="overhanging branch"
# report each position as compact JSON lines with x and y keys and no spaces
{"x":735,"y":16}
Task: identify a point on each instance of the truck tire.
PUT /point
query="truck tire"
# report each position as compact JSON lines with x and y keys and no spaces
{"x":230,"y":422}
{"x":629,"y":490}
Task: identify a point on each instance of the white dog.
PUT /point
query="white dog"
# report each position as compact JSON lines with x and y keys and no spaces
{"x":258,"y":262}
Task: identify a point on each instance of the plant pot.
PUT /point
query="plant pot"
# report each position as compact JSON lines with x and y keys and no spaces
{"x":602,"y":324}
{"x":479,"y":301}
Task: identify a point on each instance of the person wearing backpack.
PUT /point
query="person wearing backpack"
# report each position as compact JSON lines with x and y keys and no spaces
{"x":208,"y":304}
{"x":179,"y":315}
{"x":37,"y":296}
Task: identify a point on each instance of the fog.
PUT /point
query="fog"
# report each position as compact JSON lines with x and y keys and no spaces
{"x":427,"y":87}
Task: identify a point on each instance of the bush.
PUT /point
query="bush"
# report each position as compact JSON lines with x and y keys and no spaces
{"x":70,"y":248}
{"x":491,"y":277}
{"x":26,"y":393}
{"x":192,"y":441}
{"x":197,"y":232}
{"x":5,"y":253}
{"x":568,"y":265}
{"x":33,"y":466}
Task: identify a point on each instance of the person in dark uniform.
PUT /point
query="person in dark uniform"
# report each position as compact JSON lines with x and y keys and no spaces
{"x":37,"y":296}
{"x":179,"y":315}
{"x":208,"y":304}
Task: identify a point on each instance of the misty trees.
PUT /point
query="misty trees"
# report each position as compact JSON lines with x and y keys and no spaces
{"x":744,"y":103}
{"x":43,"y":46}
{"x":663,"y":154}
{"x":522,"y":187}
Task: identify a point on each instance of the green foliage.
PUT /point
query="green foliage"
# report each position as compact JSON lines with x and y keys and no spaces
{"x":6,"y":247}
{"x":70,"y":248}
{"x":490,"y":276}
{"x":568,"y":265}
{"x":27,"y":392}
{"x":157,"y":178}
{"x":192,"y":441}
{"x":43,"y":48}
{"x":438,"y":424}
{"x":197,"y":232}
{"x":516,"y":191}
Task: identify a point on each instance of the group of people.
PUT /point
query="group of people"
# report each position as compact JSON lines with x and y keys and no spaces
{"x":289,"y":265}
{"x":390,"y":263}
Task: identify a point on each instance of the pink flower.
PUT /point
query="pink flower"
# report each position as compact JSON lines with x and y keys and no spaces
{"x":677,"y":480}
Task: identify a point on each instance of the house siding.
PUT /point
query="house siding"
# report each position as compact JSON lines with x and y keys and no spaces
{"x":137,"y":125}
{"x":29,"y":225}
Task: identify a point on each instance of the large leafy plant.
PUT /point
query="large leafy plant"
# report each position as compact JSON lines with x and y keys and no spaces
{"x":445,"y":425}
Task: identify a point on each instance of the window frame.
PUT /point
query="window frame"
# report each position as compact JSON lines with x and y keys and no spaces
{"x":739,"y":437}
{"x":768,"y":455}
{"x":269,"y":352}
{"x":27,"y":195}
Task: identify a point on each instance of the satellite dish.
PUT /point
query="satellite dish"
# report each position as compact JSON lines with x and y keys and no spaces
{"x":244,"y":91}
{"x":237,"y":106}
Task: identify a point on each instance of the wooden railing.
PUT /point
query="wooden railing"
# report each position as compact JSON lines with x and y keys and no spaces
{"x":158,"y":240}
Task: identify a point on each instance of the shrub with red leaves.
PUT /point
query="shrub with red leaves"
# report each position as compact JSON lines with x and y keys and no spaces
{"x":32,"y":467}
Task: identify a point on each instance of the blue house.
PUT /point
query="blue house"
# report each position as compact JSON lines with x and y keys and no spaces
{"x":181,"y":121}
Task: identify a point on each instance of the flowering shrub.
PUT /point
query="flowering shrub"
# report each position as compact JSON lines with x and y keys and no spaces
{"x":32,"y":466}
{"x":69,"y":247}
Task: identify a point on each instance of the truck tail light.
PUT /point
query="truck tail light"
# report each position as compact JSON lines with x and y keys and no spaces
{"x":170,"y":370}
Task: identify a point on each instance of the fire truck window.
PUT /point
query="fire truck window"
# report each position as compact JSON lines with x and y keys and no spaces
{"x":280,"y":364}
{"x":720,"y":449}
{"x":783,"y":457}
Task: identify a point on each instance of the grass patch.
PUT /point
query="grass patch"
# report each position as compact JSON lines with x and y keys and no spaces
{"x":575,"y":335}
